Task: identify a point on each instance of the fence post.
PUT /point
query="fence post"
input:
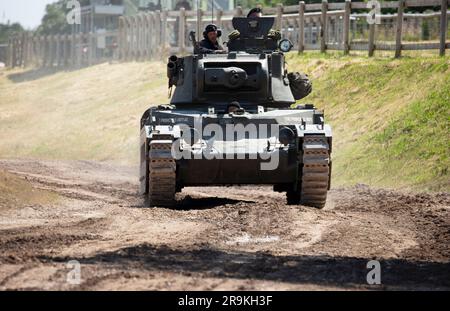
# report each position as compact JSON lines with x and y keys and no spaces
{"x":9,"y":53}
{"x":134,"y":37}
{"x":79,"y":49}
{"x":43,"y":41}
{"x":323,"y":27}
{"x":279,"y":20}
{"x":130,"y":31}
{"x":36,"y":49}
{"x":301,"y":25}
{"x":239,"y":11}
{"x":127,"y":38}
{"x":144,"y":40}
{"x":89,"y":48}
{"x":140,"y":33}
{"x":14,"y":52}
{"x":199,"y":22}
{"x":443,"y":32}
{"x":22,"y":49}
{"x":138,"y":42}
{"x":40,"y":51}
{"x":30,"y":49}
{"x":348,"y":12}
{"x":33,"y":46}
{"x":182,"y":34}
{"x":120,"y":38}
{"x":371,"y":39}
{"x":73,"y":59}
{"x":58,"y":50}
{"x":62,"y":57}
{"x":398,"y":35}
{"x":45,"y":49}
{"x":66,"y":54}
{"x":28,"y":54}
{"x":19,"y":54}
{"x":149,"y":35}
{"x":25,"y":51}
{"x":371,"y":47}
{"x":219,"y":18}
{"x":157,"y":22}
{"x":53,"y":48}
{"x":49,"y":51}
{"x":152,"y":35}
{"x":164,"y":29}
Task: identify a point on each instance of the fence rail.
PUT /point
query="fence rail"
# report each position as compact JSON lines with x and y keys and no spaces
{"x":324,"y":26}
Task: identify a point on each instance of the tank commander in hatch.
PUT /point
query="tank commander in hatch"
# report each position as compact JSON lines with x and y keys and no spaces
{"x":210,"y":43}
{"x":256,"y":13}
{"x":299,"y":82}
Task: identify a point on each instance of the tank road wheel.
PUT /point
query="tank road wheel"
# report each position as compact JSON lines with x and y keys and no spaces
{"x":162,"y":174}
{"x":314,"y":175}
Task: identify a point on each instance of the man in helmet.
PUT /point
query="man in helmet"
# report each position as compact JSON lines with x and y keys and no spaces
{"x":256,"y":13}
{"x":299,"y":82}
{"x":210,"y":43}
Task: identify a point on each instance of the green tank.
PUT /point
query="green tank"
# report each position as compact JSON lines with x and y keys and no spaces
{"x":232,"y":120}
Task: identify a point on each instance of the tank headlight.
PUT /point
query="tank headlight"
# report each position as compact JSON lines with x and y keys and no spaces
{"x":285,"y":45}
{"x":287,"y":136}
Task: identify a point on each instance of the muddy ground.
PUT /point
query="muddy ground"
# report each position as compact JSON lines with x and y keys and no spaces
{"x":233,"y":238}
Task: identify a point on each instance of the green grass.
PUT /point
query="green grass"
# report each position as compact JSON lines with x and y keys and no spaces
{"x":390,"y":118}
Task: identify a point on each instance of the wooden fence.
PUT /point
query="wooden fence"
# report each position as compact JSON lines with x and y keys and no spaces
{"x":324,"y":26}
{"x":75,"y":50}
{"x":3,"y":53}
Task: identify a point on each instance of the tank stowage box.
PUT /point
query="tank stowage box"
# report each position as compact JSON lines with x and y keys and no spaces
{"x":231,"y":122}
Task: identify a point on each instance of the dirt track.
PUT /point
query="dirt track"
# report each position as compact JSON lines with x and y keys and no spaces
{"x":243,"y":238}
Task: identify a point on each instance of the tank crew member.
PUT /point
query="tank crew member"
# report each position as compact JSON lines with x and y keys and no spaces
{"x":210,"y":43}
{"x":300,"y":83}
{"x":256,"y":13}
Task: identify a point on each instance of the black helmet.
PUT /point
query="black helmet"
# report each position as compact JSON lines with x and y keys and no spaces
{"x":255,"y":10}
{"x":212,"y":28}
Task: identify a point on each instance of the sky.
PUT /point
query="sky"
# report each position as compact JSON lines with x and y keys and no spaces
{"x":27,"y":12}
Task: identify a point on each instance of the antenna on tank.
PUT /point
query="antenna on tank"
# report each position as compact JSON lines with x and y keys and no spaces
{"x":212,"y":11}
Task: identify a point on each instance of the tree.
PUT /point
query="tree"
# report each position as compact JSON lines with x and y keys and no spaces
{"x":54,"y":20}
{"x":7,"y":30}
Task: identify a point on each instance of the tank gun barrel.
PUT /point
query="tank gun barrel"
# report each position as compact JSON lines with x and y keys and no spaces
{"x":173,"y":70}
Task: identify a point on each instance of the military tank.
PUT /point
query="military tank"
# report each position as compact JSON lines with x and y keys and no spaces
{"x":230,"y":121}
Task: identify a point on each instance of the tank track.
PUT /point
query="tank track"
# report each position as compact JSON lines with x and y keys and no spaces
{"x":314,"y":176}
{"x":162,"y":174}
